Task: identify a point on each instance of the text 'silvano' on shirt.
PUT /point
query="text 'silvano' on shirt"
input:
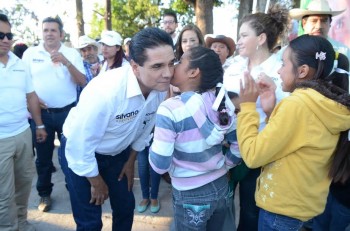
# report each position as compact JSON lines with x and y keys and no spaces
{"x":111,"y":115}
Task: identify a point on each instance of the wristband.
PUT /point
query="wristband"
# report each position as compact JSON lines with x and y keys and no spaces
{"x":40,"y":126}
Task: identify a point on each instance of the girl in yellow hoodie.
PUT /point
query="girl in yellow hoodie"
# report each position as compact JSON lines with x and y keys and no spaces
{"x":300,"y":140}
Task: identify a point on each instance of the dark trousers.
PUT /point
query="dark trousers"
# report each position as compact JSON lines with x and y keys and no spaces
{"x":88,"y":216}
{"x":249,"y":212}
{"x":53,"y":122}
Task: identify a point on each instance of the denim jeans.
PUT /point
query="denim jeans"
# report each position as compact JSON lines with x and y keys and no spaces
{"x":249,"y":212}
{"x":88,"y":216}
{"x":145,"y":173}
{"x":335,"y":216}
{"x":53,"y":124}
{"x":203,"y":208}
{"x":275,"y":222}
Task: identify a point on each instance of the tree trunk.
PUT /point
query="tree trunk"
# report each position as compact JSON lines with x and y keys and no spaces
{"x":108,"y":18}
{"x":245,"y":7}
{"x":204,"y":15}
{"x":80,"y":18}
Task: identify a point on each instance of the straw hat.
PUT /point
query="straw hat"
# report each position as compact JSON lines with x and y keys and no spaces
{"x":85,"y":41}
{"x":210,"y":39}
{"x":315,"y":7}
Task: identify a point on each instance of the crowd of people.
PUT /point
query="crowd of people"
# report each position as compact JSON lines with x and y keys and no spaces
{"x":209,"y":113}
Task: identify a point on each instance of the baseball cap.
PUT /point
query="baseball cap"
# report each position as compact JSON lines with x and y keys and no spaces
{"x":111,"y":38}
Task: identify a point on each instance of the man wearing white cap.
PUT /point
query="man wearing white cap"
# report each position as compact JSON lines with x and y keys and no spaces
{"x":316,"y":20}
{"x":89,"y":51}
{"x":112,"y":51}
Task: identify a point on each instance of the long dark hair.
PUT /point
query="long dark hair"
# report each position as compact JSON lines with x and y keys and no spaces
{"x":179,"y":52}
{"x":209,"y":64}
{"x":333,"y":85}
{"x":118,"y":59}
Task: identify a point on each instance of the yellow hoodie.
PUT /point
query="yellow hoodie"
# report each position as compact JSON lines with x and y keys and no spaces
{"x":295,"y":150}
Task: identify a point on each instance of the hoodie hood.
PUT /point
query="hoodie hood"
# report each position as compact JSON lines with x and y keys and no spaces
{"x":334,"y":116}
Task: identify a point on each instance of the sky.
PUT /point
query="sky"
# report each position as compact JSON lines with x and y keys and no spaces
{"x":223,"y":16}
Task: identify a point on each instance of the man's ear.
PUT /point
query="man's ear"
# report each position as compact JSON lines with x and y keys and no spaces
{"x":303,"y":71}
{"x":135,"y":68}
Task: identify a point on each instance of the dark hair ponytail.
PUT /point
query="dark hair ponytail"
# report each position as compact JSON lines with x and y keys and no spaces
{"x":332,"y":84}
{"x":209,"y":64}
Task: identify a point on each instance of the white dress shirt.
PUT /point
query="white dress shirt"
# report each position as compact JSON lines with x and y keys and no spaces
{"x":111,"y":115}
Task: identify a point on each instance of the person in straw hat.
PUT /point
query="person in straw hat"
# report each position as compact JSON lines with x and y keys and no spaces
{"x":223,"y":46}
{"x":88,"y":49}
{"x":316,"y":20}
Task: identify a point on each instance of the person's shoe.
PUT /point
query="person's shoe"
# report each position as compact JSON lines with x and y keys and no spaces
{"x":141,"y":208}
{"x":167,"y":177}
{"x":155,"y":208}
{"x":45,"y":204}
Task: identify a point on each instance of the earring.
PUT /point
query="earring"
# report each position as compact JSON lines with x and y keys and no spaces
{"x":257,"y":47}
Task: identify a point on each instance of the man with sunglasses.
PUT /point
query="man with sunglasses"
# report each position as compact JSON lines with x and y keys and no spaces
{"x":56,"y":70}
{"x":16,"y":151}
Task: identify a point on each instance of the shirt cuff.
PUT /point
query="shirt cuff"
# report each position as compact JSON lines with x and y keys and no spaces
{"x":248,"y":106}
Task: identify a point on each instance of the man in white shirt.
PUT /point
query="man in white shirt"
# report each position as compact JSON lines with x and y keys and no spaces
{"x":111,"y":123}
{"x":56,"y":70}
{"x":16,"y":150}
{"x":170,"y":25}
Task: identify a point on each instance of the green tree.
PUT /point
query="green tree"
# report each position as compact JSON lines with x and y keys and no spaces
{"x":128,"y":17}
{"x":18,"y":14}
{"x":203,"y":10}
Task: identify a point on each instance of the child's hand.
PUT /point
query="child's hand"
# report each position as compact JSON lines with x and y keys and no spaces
{"x":248,"y":91}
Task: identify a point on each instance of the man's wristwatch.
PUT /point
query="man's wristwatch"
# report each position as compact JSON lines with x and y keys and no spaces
{"x":40,"y":126}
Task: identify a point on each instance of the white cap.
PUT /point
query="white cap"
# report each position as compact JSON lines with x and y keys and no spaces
{"x":127,"y":40}
{"x":111,"y":38}
{"x":85,"y":41}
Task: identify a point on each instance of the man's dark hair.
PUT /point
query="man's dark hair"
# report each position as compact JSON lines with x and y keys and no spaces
{"x":145,"y":39}
{"x":4,"y":18}
{"x":57,"y":20}
{"x":170,"y":13}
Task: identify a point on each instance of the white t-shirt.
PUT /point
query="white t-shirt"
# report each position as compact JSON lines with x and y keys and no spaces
{"x":15,"y":83}
{"x":270,"y":67}
{"x":111,"y":114}
{"x":52,"y":82}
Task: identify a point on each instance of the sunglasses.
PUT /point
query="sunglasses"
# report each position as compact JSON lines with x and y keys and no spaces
{"x":8,"y":35}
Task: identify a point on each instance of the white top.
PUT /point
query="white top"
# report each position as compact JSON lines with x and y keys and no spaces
{"x":52,"y":82}
{"x":15,"y":83}
{"x":105,"y":68}
{"x":111,"y":114}
{"x":270,"y":67}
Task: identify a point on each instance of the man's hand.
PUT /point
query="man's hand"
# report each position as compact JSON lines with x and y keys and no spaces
{"x":99,"y":190}
{"x":58,"y":57}
{"x":41,"y":135}
{"x":128,"y":169}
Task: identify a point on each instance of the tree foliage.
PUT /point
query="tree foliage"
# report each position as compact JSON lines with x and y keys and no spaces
{"x":18,"y":14}
{"x":128,"y":17}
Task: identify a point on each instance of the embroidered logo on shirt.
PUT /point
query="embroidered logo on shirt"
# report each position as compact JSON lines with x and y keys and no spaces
{"x":127,"y":116}
{"x":38,"y":60}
